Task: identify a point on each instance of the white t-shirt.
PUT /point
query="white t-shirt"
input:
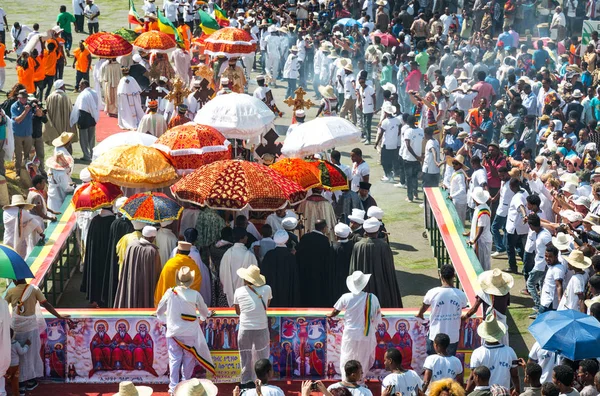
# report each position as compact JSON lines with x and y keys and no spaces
{"x":540,"y":240}
{"x":415,"y":136}
{"x":464,"y":101}
{"x":266,"y":390}
{"x":354,"y":316}
{"x":483,"y":220}
{"x":446,"y":308}
{"x":498,"y":358}
{"x":390,"y":128}
{"x":549,"y":297}
{"x":506,"y":195}
{"x":576,"y":284}
{"x":443,"y":366}
{"x":91,"y":9}
{"x":514,"y":220}
{"x":252,"y":313}
{"x":546,"y":359}
{"x":360,"y":390}
{"x":366,"y":93}
{"x":349,"y":90}
{"x":429,"y":165}
{"x":359,"y":172}
{"x":407,"y":383}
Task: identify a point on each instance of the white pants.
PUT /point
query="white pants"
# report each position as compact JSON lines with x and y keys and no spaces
{"x":180,"y":361}
{"x":273,"y":66}
{"x":2,"y":79}
{"x":2,"y":386}
{"x":253,"y":345}
{"x":362,"y":350}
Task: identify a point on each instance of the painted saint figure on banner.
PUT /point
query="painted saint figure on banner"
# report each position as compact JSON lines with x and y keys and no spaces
{"x":317,"y":360}
{"x":404,"y":343}
{"x":384,"y":341}
{"x":100,"y":347}
{"x":122,"y":344}
{"x":143,"y":352}
{"x":287,"y":360}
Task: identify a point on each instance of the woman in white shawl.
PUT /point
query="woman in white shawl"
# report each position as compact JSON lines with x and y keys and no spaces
{"x":59,"y":180}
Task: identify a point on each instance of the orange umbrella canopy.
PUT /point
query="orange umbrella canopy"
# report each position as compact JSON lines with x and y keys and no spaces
{"x":154,"y":40}
{"x":331,"y":177}
{"x":230,"y":42}
{"x":108,"y":45}
{"x":236,"y":185}
{"x":297,"y":170}
{"x":95,"y":195}
{"x":192,"y":145}
{"x":134,"y":166}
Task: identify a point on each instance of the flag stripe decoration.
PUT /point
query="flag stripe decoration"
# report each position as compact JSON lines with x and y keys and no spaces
{"x":133,"y":16}
{"x":221,"y":16}
{"x":208,"y":24}
{"x":166,"y":26}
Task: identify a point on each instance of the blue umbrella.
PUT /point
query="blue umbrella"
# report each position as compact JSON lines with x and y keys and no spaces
{"x":571,"y":333}
{"x":348,"y":22}
{"x":12,"y":266}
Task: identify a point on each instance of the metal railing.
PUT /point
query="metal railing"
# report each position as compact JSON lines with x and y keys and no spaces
{"x":65,"y":263}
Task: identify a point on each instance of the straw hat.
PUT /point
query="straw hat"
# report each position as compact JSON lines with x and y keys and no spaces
{"x":126,"y":388}
{"x":17,"y":201}
{"x":357,"y":281}
{"x":185,"y":277}
{"x":592,"y":301}
{"x":349,"y":67}
{"x":63,"y":139}
{"x":196,"y":387}
{"x":578,"y":260}
{"x":496,"y":282}
{"x":463,"y":76}
{"x":458,"y":158}
{"x":389,"y":87}
{"x":59,"y":162}
{"x":382,"y":3}
{"x":464,"y":87}
{"x":491,"y":330}
{"x":327,"y":92}
{"x":480,"y":195}
{"x":357,"y":216}
{"x":562,"y":241}
{"x":571,"y":188}
{"x":592,"y":219}
{"x":252,"y":275}
{"x":569,"y":178}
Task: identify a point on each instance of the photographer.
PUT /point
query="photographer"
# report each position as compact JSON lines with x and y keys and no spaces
{"x":39,"y":119}
{"x":22,"y":124}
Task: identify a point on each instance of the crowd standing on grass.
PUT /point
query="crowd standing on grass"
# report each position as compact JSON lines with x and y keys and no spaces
{"x":496,"y":102}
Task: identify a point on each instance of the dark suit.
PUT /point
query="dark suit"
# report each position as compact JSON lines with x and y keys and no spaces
{"x":312,"y":255}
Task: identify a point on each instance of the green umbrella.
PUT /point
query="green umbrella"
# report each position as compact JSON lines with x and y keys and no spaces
{"x":127,"y":34}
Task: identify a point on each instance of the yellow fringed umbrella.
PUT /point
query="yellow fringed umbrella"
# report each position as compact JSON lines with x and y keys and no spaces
{"x":134,"y":166}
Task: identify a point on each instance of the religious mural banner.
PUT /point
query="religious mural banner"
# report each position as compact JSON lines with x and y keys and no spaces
{"x":113,"y":349}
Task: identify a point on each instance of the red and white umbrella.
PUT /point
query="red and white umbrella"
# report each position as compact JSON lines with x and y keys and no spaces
{"x":229,"y":42}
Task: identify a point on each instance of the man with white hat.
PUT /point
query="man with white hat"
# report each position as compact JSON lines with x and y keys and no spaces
{"x":140,"y":273}
{"x":60,"y":183}
{"x":251,"y":301}
{"x":358,"y":339}
{"x":356,"y":220}
{"x":289,"y":224}
{"x":127,"y":388}
{"x":574,"y":295}
{"x":299,"y":116}
{"x":481,"y":234}
{"x":265,"y":94}
{"x":279,"y":265}
{"x":372,"y":254}
{"x":168,"y":274}
{"x":274,"y":54}
{"x":179,"y":309}
{"x":495,"y":354}
{"x":59,"y":108}
{"x":389,"y":136}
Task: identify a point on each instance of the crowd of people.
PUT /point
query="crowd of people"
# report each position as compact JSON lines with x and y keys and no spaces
{"x":452,"y":95}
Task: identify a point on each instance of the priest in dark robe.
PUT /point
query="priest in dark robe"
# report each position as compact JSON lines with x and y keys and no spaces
{"x":339,"y":264}
{"x":312,"y":256}
{"x":96,"y":246}
{"x":280,"y":268}
{"x":141,"y":270}
{"x":356,"y":220}
{"x":365,"y":196}
{"x":345,"y":204}
{"x":119,"y":228}
{"x":372,"y":255}
{"x":289,"y":225}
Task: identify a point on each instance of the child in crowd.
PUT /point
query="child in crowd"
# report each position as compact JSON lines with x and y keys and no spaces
{"x":12,"y":374}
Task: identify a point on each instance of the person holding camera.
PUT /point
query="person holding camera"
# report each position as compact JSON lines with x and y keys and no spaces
{"x":21,"y":113}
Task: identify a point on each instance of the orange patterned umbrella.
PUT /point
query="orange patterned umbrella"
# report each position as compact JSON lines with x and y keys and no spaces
{"x":297,"y":170}
{"x":192,"y":145}
{"x":330,"y":176}
{"x":236,"y":185}
{"x":95,"y":195}
{"x":134,"y":166}
{"x":231,"y":42}
{"x":108,"y":45}
{"x":154,"y":40}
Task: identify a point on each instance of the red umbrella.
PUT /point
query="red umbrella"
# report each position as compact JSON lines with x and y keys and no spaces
{"x":387,"y":39}
{"x":95,"y":195}
{"x":108,"y":45}
{"x":332,"y":178}
{"x":231,"y":42}
{"x":154,"y":41}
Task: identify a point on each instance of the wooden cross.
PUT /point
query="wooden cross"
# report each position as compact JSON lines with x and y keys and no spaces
{"x":205,"y":93}
{"x":152,"y":92}
{"x":298,"y":102}
{"x":178,"y":93}
{"x":271,"y":147}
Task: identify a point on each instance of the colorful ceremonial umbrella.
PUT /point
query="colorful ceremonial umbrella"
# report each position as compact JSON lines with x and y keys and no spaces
{"x":154,"y":41}
{"x":134,"y":166}
{"x":238,"y":185}
{"x":318,"y":135}
{"x":95,"y":195}
{"x":127,"y":34}
{"x":121,"y":138}
{"x":108,"y":45}
{"x":570,"y":333}
{"x":237,"y":116}
{"x":348,"y":22}
{"x":330,"y":176}
{"x":192,"y":145}
{"x":387,"y":39}
{"x":230,"y":42}
{"x":151,"y":207}
{"x":298,"y":171}
{"x":12,"y":266}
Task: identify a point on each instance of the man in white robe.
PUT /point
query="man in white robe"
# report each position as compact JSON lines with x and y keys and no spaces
{"x":110,"y":75}
{"x":236,"y":257}
{"x":182,"y":61}
{"x":129,"y":102}
{"x":153,"y":123}
{"x":19,"y":35}
{"x":166,"y":241}
{"x":19,"y":224}
{"x":275,"y":220}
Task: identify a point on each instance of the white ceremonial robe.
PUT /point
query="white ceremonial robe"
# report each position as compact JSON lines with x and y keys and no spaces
{"x":59,"y":185}
{"x":97,"y":74}
{"x":129,"y":103}
{"x":153,"y":124}
{"x":236,"y":257}
{"x":166,"y":242}
{"x":182,"y":62}
{"x":17,"y":227}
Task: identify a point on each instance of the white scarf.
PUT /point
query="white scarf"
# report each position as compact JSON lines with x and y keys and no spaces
{"x":86,"y":101}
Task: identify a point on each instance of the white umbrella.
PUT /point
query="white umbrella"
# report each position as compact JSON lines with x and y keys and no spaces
{"x":122,"y":138}
{"x":237,"y":116}
{"x":318,"y":135}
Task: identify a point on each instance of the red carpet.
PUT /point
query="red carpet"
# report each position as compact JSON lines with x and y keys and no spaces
{"x":106,"y":126}
{"x":289,"y":388}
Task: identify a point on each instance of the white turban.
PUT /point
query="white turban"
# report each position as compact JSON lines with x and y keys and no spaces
{"x":58,"y":84}
{"x":342,"y":230}
{"x":289,"y":223}
{"x":281,"y":237}
{"x":375,"y":211}
{"x":371,"y":225}
{"x":136,"y":58}
{"x":119,"y":202}
{"x":85,"y":175}
{"x":149,"y":231}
